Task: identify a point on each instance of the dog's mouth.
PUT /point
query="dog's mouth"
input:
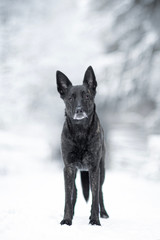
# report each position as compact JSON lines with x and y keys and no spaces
{"x":80,"y":116}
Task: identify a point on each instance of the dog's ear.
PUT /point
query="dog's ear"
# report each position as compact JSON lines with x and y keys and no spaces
{"x":90,"y":79}
{"x":63,"y":83}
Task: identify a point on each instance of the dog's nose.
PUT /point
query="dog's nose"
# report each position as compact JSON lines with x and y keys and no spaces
{"x":79,"y":110}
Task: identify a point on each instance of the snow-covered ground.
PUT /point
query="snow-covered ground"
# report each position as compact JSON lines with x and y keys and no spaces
{"x":32,"y":198}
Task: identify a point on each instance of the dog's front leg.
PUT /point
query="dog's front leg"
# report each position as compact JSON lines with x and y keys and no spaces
{"x":94,"y":181}
{"x":69,"y":177}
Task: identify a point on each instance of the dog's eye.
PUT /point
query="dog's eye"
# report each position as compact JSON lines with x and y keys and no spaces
{"x":70,"y":99}
{"x":87,"y":96}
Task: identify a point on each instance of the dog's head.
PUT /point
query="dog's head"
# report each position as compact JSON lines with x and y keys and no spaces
{"x":79,"y":100}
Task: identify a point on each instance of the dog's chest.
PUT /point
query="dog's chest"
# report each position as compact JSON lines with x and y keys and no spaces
{"x":80,"y":146}
{"x":81,"y":156}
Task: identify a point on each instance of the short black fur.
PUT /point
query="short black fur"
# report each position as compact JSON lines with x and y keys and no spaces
{"x":82,"y":143}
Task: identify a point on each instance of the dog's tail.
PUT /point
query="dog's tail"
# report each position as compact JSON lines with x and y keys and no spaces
{"x":85,"y":184}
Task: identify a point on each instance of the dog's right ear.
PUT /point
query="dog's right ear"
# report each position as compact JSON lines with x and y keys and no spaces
{"x":63,"y":83}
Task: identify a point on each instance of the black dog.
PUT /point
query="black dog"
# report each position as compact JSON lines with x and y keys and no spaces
{"x":82,"y":145}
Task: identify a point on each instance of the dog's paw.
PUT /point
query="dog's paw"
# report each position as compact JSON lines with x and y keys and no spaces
{"x":104,"y":214}
{"x":95,"y":222}
{"x":66,"y":221}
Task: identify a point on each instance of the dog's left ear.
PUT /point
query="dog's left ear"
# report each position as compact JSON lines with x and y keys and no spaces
{"x":63,"y":83}
{"x":90,"y":79}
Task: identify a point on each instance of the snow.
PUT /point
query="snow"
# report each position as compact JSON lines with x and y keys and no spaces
{"x":32,"y":198}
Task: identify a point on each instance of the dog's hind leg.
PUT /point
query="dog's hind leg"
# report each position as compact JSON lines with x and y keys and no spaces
{"x":103,"y":212}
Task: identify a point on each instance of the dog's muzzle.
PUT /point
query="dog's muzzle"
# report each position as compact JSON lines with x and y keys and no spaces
{"x":79,"y":114}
